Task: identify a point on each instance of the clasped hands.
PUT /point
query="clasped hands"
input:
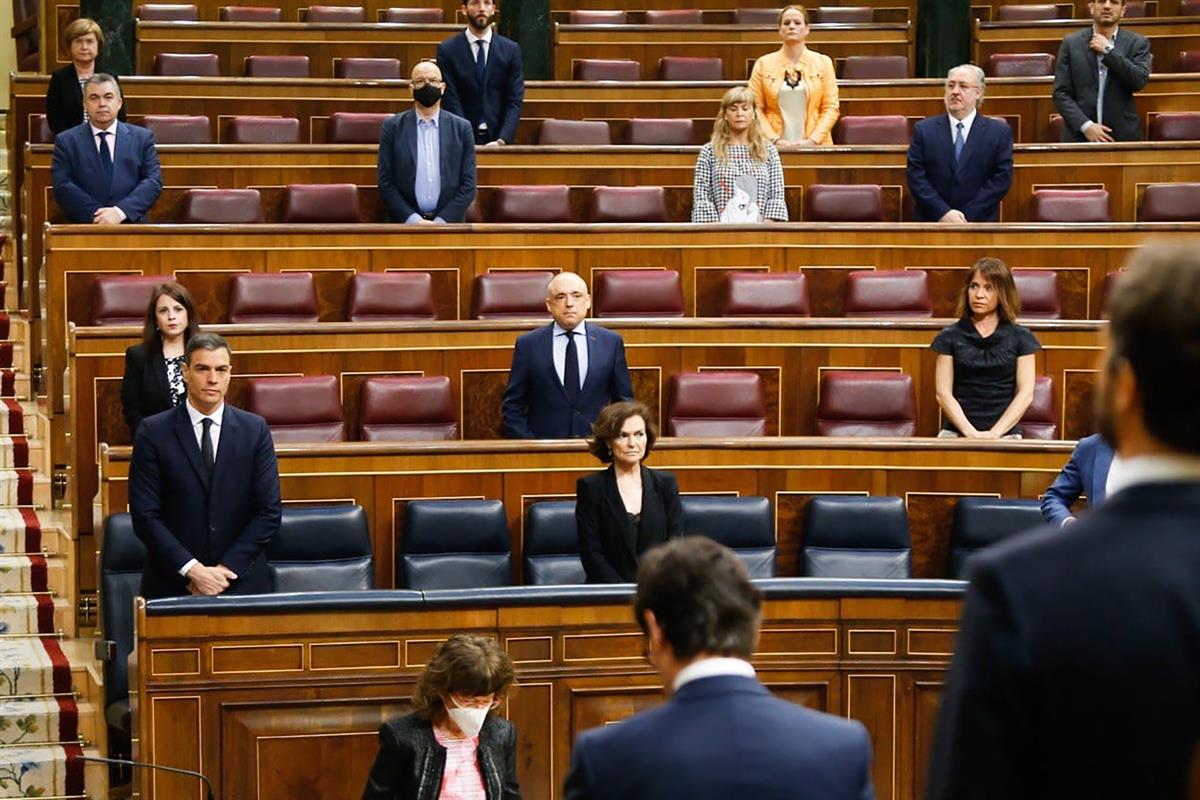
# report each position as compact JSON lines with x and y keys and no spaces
{"x":954,"y":216}
{"x":107,"y":216}
{"x":209,"y":581}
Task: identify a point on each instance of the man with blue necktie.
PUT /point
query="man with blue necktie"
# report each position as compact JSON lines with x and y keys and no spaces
{"x":485,"y":77}
{"x":105,"y":171}
{"x":960,"y":163}
{"x":426,"y":167}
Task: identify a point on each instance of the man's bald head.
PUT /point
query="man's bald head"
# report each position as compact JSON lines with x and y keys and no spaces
{"x":567,"y":300}
{"x":426,"y":71}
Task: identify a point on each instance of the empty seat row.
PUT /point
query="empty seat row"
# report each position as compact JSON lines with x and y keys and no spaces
{"x":182,"y":12}
{"x":1065,"y":11}
{"x":842,"y":15}
{"x":696,"y":68}
{"x":208,"y":65}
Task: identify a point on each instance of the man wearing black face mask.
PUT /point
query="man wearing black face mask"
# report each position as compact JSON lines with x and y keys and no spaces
{"x":427,"y":157}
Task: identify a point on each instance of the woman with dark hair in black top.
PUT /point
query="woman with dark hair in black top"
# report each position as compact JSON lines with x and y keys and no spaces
{"x":985,"y":363}
{"x":153,"y":379}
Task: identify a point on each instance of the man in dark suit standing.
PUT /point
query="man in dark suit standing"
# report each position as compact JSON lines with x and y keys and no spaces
{"x":204,"y":486}
{"x":485,"y":79}
{"x":564,"y":373}
{"x":721,"y":734}
{"x":426,"y":157}
{"x":105,"y":171}
{"x":960,"y":163}
{"x":1077,"y":671}
{"x":1085,"y":473}
{"x":1097,"y":72}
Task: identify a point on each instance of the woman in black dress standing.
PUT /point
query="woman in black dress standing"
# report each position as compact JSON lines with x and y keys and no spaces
{"x":153,"y":379}
{"x":64,"y":96}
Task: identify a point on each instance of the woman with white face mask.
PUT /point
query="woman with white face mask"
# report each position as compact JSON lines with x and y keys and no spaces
{"x":453,"y":746}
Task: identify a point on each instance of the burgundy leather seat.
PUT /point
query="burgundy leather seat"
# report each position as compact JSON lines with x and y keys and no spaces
{"x":381,"y":296}
{"x":508,"y":294}
{"x":222,"y":206}
{"x":656,"y":132}
{"x":178,"y":129}
{"x":39,"y":130}
{"x":413,"y":16}
{"x":756,"y":16}
{"x":276,"y":67}
{"x":298,"y":409}
{"x":629,"y":204}
{"x":596,"y":17}
{"x":1038,"y":290}
{"x":1069,"y":205}
{"x":890,"y":129}
{"x":323,"y":14}
{"x":122,"y":299}
{"x":167,"y":12}
{"x":765,"y":294}
{"x":1020,"y":65}
{"x":717,"y":403}
{"x":674,"y":16}
{"x":249,"y":14}
{"x":844,"y":15}
{"x":1041,"y":418}
{"x":320,"y":202}
{"x":1175,"y":126}
{"x":574,"y":132}
{"x":606,"y":69}
{"x":268,"y":297}
{"x":533,"y":204}
{"x":866,"y":403}
{"x":875,"y":68}
{"x":1056,"y":127}
{"x":367,"y":69}
{"x":888,"y":293}
{"x":1189,"y":8}
{"x":638,"y":293}
{"x":263,"y":130}
{"x":1031,"y":13}
{"x":825,"y":202}
{"x":407,"y":408}
{"x":1135,"y":9}
{"x":1189,"y":61}
{"x":689,"y":68}
{"x":1170,"y":202}
{"x":355,"y":127}
{"x":194,"y":65}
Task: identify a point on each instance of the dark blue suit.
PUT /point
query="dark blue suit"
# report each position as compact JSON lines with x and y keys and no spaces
{"x":723,"y":738}
{"x":81,"y":185}
{"x":1057,"y":626}
{"x":180,"y":516}
{"x":975,"y":185}
{"x":498,"y":101}
{"x":1086,"y":473}
{"x":398,"y":166}
{"x":535,"y":402}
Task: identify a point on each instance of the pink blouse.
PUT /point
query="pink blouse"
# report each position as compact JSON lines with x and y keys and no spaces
{"x":461,"y":779}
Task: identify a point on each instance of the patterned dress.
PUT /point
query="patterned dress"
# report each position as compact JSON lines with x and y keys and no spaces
{"x":716,"y":181}
{"x":175,"y":379}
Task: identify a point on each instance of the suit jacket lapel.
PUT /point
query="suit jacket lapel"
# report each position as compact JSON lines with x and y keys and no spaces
{"x":187,"y":440}
{"x":1100,"y":467}
{"x":616,"y":507}
{"x":590,"y":344}
{"x":408,"y":132}
{"x":228,"y":445}
{"x":977,"y":131}
{"x":549,"y":351}
{"x":158,"y":367}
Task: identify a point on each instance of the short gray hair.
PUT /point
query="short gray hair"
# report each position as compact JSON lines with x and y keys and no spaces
{"x":103,"y":77}
{"x":980,"y":77}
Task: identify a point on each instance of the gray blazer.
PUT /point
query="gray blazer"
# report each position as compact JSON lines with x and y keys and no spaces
{"x":1077,"y":81}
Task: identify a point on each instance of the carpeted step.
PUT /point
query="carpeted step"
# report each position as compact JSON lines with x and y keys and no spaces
{"x":42,"y":771}
{"x":31,"y":615}
{"x":16,"y":487}
{"x":20,"y":531}
{"x":24,"y":574}
{"x":33,"y":666}
{"x":12,"y":415}
{"x":39,"y":720}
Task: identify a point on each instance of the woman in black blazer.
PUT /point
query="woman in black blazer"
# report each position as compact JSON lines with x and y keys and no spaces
{"x":628,"y":508}
{"x":64,"y":97}
{"x":153,"y":379}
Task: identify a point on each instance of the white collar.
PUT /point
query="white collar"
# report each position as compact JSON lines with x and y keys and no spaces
{"x":111,"y":129}
{"x":966,"y":121}
{"x":1126,"y":472}
{"x":1112,"y":38}
{"x":580,"y":329}
{"x":711,"y":668}
{"x":434,"y":120}
{"x":195,"y":416}
{"x":472,"y":38}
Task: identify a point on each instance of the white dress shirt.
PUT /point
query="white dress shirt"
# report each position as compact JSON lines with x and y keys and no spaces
{"x":215,"y":434}
{"x":560,"y":350}
{"x":966,"y":121}
{"x":711,"y":668}
{"x":1126,"y":472}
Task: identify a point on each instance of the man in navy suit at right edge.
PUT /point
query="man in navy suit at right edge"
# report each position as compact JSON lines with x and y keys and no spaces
{"x":721,"y":735}
{"x":960,"y":163}
{"x":1077,"y":670}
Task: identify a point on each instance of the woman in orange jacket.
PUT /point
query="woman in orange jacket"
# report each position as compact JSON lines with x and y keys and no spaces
{"x":796,"y":88}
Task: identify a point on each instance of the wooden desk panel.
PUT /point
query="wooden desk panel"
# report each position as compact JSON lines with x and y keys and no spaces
{"x":1169,"y":36}
{"x":203,"y":697}
{"x":737,"y":45}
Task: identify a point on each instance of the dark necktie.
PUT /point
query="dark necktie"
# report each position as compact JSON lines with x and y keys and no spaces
{"x":571,"y":369}
{"x":959,"y":143}
{"x":105,"y":156}
{"x":206,"y":447}
{"x":480,"y":63}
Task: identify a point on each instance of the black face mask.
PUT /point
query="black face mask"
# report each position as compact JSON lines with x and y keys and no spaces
{"x":427,"y":95}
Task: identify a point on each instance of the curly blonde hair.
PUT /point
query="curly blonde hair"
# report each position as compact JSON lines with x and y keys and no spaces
{"x":465,"y":664}
{"x":720,"y":134}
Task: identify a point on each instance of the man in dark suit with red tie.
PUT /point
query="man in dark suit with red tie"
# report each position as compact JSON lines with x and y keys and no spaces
{"x":564,"y":373}
{"x":204,"y":487}
{"x":485,"y":78}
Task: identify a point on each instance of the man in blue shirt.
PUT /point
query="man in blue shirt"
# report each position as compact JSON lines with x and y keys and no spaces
{"x":426,"y":157}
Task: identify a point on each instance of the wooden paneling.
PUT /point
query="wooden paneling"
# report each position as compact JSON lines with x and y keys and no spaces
{"x":312,"y":733}
{"x":1168,"y":37}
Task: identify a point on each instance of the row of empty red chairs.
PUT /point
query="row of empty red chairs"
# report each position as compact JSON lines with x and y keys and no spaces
{"x":710,"y":403}
{"x":183,"y":12}
{"x":291,"y":297}
{"x":208,"y":65}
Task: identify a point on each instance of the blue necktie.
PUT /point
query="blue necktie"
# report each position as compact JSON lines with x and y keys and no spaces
{"x":105,"y":156}
{"x":959,"y":142}
{"x":480,"y":64}
{"x":571,"y":369}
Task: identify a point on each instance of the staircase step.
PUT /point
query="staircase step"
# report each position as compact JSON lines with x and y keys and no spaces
{"x":34,"y":615}
{"x":33,"y":666}
{"x":26,"y":574}
{"x":42,"y":771}
{"x":25,"y":530}
{"x":40,"y":720}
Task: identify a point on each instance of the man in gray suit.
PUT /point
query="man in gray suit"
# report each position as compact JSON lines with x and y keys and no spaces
{"x":1097,"y":73}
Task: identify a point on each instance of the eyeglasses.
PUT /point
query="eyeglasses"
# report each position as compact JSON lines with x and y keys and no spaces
{"x":419,"y":82}
{"x":961,"y":85}
{"x":561,"y":297}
